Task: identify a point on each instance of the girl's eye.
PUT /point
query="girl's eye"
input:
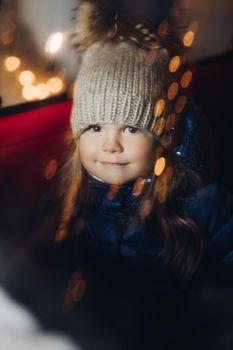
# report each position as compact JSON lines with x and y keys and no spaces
{"x":94,"y":128}
{"x":131,"y":130}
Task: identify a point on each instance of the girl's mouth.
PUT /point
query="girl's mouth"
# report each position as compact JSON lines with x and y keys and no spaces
{"x":113,"y":163}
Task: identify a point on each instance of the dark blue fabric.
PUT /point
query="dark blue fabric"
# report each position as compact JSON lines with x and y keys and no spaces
{"x":195,"y":145}
{"x":211,"y":208}
{"x":102,"y":219}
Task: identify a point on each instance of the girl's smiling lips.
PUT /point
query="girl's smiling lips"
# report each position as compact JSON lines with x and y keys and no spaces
{"x":113,"y":163}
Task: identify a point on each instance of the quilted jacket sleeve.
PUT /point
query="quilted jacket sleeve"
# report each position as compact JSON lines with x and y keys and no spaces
{"x":212,"y":209}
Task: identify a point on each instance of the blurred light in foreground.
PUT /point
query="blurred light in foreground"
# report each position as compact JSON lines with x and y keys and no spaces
{"x":26,"y":77}
{"x":29,"y":92}
{"x":180,"y":104}
{"x":112,"y":192}
{"x":55,"y":85}
{"x":41,"y":91}
{"x":75,"y":291}
{"x":7,"y":38}
{"x":167,"y":175}
{"x":146,"y":208}
{"x":50,"y":169}
{"x":162,"y":193}
{"x":159,"y":126}
{"x":171,"y":121}
{"x":159,"y":108}
{"x":194,"y":25}
{"x":172,"y":91}
{"x":163,"y":28}
{"x":186,"y":79}
{"x":54,"y":42}
{"x":174,"y":64}
{"x":138,"y":186}
{"x":159,"y":166}
{"x":12,"y":63}
{"x":188,"y":38}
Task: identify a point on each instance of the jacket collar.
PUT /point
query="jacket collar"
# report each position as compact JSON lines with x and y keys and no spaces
{"x":112,"y":196}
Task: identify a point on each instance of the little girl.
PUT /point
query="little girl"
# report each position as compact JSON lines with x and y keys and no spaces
{"x":136,"y":186}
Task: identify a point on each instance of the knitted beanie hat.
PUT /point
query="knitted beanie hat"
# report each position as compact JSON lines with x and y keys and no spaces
{"x":116,"y":84}
{"x":120,"y":75}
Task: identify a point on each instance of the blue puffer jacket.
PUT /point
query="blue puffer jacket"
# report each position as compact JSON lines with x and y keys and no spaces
{"x":211,"y":208}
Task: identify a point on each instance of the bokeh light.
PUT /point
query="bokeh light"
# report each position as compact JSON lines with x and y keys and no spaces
{"x":55,"y":85}
{"x":167,"y":175}
{"x":138,"y":186}
{"x":172,"y":91}
{"x":171,"y":121}
{"x":7,"y":38}
{"x":174,"y":64}
{"x":78,"y":227}
{"x":159,"y":108}
{"x":29,"y":92}
{"x":75,"y":291}
{"x":41,"y":91}
{"x":163,"y":28}
{"x":146,"y":207}
{"x":186,"y":79}
{"x":26,"y":77}
{"x":159,"y":166}
{"x":12,"y":63}
{"x":188,"y":38}
{"x":54,"y":42}
{"x":180,"y":104}
{"x":50,"y":169}
{"x":159,"y":126}
{"x":112,"y":192}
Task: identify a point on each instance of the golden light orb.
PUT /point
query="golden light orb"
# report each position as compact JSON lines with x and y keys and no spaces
{"x":26,"y":77}
{"x":174,"y":64}
{"x":29,"y":92}
{"x":159,"y":126}
{"x":163,"y":28}
{"x":186,"y":79}
{"x":12,"y":63}
{"x":188,"y":38}
{"x":79,"y":290}
{"x":138,"y":186}
{"x":7,"y":38}
{"x":167,"y":175}
{"x":50,"y":169}
{"x":55,"y":85}
{"x":180,"y":104}
{"x":41,"y":91}
{"x":54,"y":42}
{"x":194,"y":25}
{"x":159,"y":108}
{"x":173,"y":91}
{"x":171,"y":121}
{"x":112,"y":192}
{"x":159,"y":166}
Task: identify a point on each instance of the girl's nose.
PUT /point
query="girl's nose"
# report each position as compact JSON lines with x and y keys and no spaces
{"x":112,"y":144}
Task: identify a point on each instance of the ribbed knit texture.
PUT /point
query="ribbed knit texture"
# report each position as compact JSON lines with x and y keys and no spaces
{"x":115,"y":86}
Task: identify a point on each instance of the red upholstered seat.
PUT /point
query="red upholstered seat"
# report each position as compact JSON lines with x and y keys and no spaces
{"x":33,"y":142}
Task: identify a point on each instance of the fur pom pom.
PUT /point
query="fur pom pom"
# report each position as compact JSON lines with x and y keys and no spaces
{"x":102,"y":21}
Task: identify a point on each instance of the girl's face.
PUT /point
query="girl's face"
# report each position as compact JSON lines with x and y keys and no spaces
{"x":116,"y":154}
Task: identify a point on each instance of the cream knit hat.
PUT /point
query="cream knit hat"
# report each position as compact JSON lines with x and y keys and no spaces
{"x":119,"y":79}
{"x":115,"y":85}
